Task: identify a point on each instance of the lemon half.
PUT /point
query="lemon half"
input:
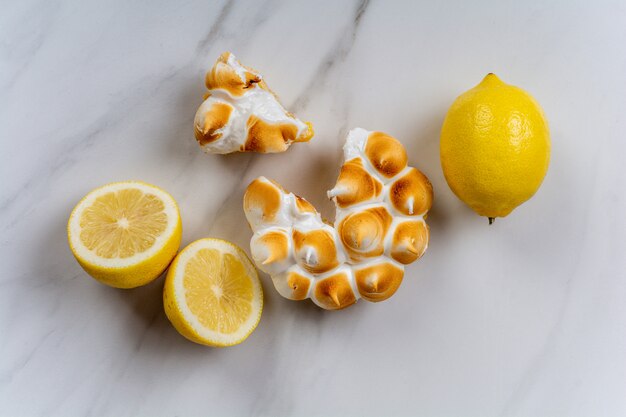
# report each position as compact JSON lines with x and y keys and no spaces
{"x":125,"y":234}
{"x":212,"y":293}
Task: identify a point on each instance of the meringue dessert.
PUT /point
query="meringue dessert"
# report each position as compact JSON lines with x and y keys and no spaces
{"x":241,"y":114}
{"x":381,"y":204}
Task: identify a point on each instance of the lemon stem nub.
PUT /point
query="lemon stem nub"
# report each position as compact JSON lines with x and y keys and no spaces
{"x":491,"y":220}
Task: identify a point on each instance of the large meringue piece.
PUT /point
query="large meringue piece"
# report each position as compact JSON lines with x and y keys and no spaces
{"x":241,"y":114}
{"x":381,"y":204}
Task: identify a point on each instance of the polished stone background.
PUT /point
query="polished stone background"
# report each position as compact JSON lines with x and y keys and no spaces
{"x":523,"y":318}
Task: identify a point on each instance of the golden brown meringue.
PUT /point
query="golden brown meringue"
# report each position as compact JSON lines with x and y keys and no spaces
{"x":409,"y":242}
{"x":241,"y":114}
{"x":216,"y":117}
{"x":363,"y":232}
{"x":315,"y":250}
{"x":379,"y":281}
{"x":293,"y":283}
{"x":232,"y":76}
{"x":355,"y":185}
{"x":412,"y":193}
{"x":271,"y":247}
{"x":386,"y":154}
{"x":379,"y":227}
{"x":263,"y":200}
{"x":334,"y":292}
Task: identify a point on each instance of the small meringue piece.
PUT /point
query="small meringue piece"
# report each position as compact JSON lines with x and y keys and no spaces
{"x":241,"y":114}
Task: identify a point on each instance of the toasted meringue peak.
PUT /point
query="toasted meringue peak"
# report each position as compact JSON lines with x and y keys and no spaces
{"x":228,"y":74}
{"x":315,"y":250}
{"x":386,"y":154}
{"x":271,"y":250}
{"x":294,"y":283}
{"x":412,"y":194}
{"x":363,"y":232}
{"x":267,"y":137}
{"x":355,"y":185}
{"x":409,"y":241}
{"x":379,"y":227}
{"x":378,"y":281}
{"x":213,"y":117}
{"x":254,"y":120}
{"x":304,"y":206}
{"x":262,"y":202}
{"x":335,"y":292}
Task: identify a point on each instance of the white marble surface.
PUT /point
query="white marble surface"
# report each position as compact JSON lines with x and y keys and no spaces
{"x":523,"y":318}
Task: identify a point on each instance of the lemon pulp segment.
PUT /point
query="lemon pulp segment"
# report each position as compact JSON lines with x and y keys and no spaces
{"x":212,"y":293}
{"x":221,"y":299}
{"x":123,"y":223}
{"x":125,"y":234}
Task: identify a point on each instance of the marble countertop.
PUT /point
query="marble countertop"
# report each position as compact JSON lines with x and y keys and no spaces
{"x":523,"y":318}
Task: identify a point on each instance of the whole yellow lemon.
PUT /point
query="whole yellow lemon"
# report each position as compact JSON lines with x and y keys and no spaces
{"x":495,"y":147}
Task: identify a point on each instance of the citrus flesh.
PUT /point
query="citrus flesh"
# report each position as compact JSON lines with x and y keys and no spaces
{"x":125,"y":234}
{"x":212,"y":293}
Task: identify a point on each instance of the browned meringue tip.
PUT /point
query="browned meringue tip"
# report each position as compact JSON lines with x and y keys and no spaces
{"x":293,"y":285}
{"x":378,"y":282}
{"x":224,"y":76}
{"x":299,"y":284}
{"x":412,"y":195}
{"x":265,"y":137}
{"x":210,"y":121}
{"x":263,"y":199}
{"x":276,"y":244}
{"x":304,"y":206}
{"x":315,"y":250}
{"x":386,"y":154}
{"x":409,"y":242}
{"x":354,"y":185}
{"x":363,"y":232}
{"x":334,"y":292}
{"x":307,"y":135}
